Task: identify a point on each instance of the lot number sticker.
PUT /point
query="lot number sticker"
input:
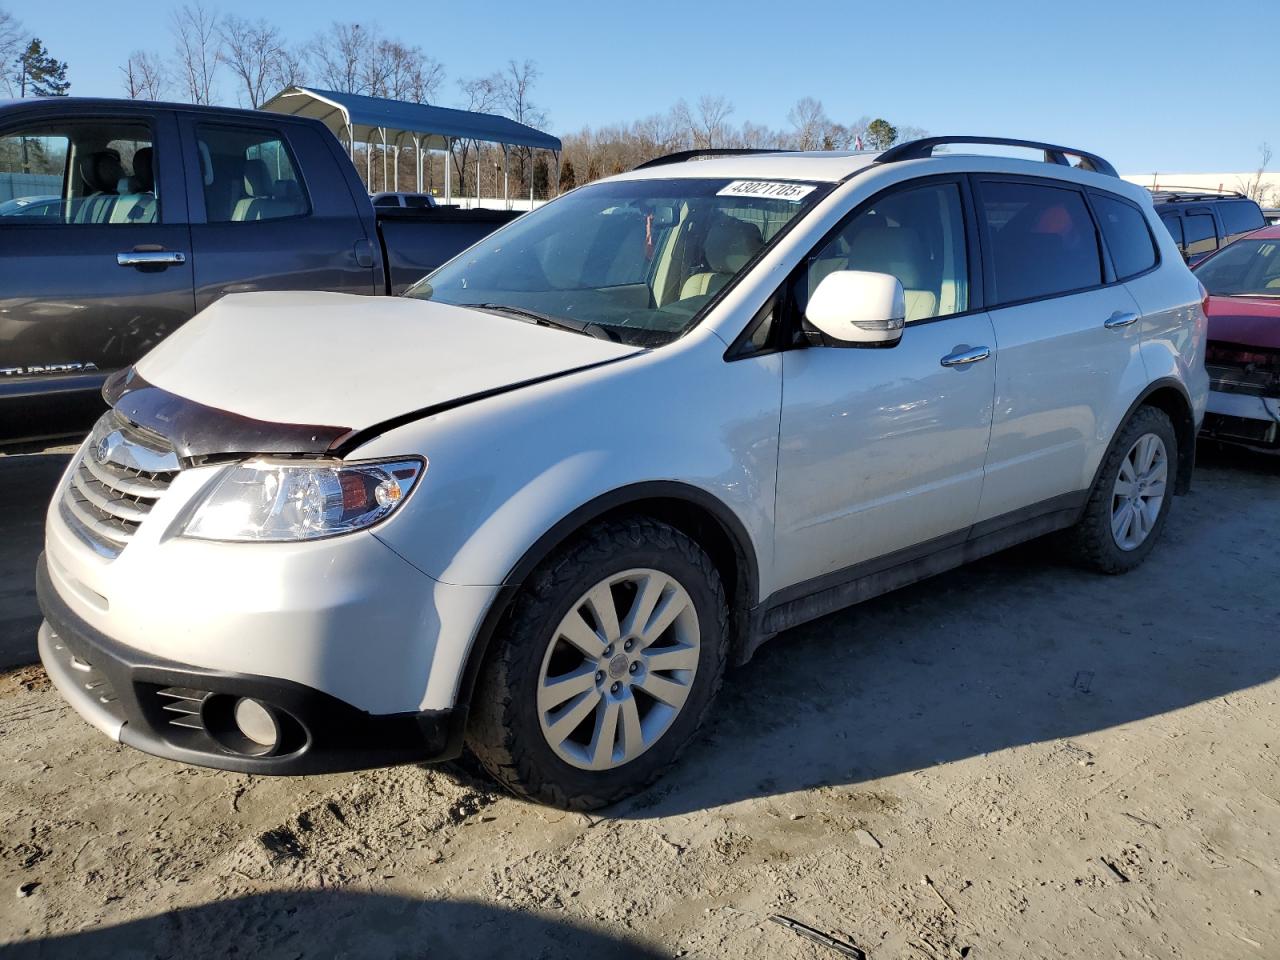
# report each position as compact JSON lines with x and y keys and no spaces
{"x":766,"y":189}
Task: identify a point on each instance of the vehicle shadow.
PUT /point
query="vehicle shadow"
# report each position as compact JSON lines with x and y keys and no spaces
{"x":333,"y":923}
{"x":26,"y":484}
{"x":1020,"y":648}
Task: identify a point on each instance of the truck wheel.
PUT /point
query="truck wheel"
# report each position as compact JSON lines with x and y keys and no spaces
{"x":605,"y":667}
{"x":1131,"y":497}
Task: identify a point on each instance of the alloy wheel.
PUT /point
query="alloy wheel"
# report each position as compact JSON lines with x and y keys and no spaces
{"x":1139,"y":491}
{"x":618,"y":669}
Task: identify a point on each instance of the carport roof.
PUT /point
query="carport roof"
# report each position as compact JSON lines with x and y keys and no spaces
{"x":363,"y":118}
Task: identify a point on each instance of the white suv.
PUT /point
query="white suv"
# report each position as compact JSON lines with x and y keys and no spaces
{"x":543,"y":501}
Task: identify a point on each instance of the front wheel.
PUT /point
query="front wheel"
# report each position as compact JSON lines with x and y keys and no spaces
{"x":609,"y":660}
{"x":1130,"y":499}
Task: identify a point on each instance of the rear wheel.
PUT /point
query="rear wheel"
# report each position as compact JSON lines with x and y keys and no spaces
{"x":1132,"y":495}
{"x":608,"y":662}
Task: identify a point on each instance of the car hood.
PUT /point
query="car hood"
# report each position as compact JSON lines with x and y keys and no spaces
{"x":322,"y":367}
{"x":1251,"y":322}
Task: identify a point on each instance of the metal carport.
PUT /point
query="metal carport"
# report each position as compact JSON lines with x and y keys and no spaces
{"x":356,"y":118}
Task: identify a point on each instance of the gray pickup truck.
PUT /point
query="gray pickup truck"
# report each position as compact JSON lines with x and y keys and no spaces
{"x":119,"y":220}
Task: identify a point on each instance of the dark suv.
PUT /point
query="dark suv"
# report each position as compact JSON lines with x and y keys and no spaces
{"x":1201,"y":221}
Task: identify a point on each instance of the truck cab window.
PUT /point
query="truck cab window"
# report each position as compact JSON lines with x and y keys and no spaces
{"x":85,"y":174}
{"x":248,"y":175}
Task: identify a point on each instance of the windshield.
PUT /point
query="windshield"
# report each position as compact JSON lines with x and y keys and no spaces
{"x":635,"y":260}
{"x":1246,"y":268}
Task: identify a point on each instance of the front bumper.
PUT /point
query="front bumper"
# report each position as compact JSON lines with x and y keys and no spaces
{"x":1243,"y":418}
{"x":181,"y":712}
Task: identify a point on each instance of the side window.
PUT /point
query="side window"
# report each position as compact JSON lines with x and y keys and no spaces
{"x":1201,"y":234}
{"x":1241,"y":216}
{"x":1125,"y":229}
{"x":1043,"y":241}
{"x":916,"y":235}
{"x":80,"y":173}
{"x":248,"y":175}
{"x":1174,"y":225}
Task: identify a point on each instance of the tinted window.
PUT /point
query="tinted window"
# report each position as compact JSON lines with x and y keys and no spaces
{"x":1125,"y":230}
{"x":248,"y":175}
{"x":417,"y":201}
{"x":388,"y":201}
{"x":1043,"y":241}
{"x":1174,"y":226}
{"x":915,"y":235}
{"x":1201,"y":233}
{"x":1242,"y":216}
{"x":90,"y":173}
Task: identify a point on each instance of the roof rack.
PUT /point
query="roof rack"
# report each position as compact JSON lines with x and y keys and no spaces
{"x":923,"y":148}
{"x":1172,"y":192}
{"x":683,"y":155}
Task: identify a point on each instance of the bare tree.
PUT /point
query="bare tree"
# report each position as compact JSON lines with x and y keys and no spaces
{"x":515,"y":89}
{"x":810,"y":123}
{"x":144,"y":76}
{"x":478,"y":95}
{"x":707,"y":123}
{"x":1254,"y":187}
{"x":341,"y":56}
{"x":197,"y":49}
{"x":252,"y":50}
{"x":289,"y":69}
{"x":402,"y":73}
{"x":12,"y":39}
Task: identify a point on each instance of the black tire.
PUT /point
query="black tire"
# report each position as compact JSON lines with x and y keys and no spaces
{"x":1091,"y":539}
{"x":504,"y":732}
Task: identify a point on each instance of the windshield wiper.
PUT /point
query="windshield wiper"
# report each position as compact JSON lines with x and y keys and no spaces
{"x":564,"y":323}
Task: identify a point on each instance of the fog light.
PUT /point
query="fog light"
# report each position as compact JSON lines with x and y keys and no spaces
{"x":255,"y":722}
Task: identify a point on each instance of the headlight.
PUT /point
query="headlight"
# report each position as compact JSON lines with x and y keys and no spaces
{"x":271,"y":501}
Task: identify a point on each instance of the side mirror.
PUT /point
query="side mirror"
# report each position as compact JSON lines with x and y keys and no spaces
{"x":858,"y":308}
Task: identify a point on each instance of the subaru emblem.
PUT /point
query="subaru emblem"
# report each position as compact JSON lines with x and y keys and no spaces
{"x":102,"y":451}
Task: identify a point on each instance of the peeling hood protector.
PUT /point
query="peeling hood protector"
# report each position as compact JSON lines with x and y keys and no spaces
{"x":309,"y":372}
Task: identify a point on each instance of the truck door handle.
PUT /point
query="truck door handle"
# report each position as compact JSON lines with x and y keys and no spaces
{"x":1119,"y":319}
{"x":150,"y":258}
{"x":963,"y":358}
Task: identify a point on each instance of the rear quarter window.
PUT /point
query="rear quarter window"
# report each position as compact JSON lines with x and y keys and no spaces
{"x":1241,"y":216}
{"x":1124,"y":227}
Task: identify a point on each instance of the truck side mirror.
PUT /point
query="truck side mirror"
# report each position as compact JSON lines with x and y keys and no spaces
{"x":858,"y":308}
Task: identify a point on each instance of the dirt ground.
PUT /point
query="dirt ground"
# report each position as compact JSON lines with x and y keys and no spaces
{"x":1018,"y":759}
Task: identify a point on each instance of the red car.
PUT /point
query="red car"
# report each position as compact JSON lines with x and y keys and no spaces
{"x":1243,"y":358}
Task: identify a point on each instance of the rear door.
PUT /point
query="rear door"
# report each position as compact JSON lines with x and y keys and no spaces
{"x":1068,"y":344}
{"x":102,"y":273}
{"x":271,"y":211}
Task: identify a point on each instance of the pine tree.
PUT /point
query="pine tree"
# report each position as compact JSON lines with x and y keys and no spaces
{"x":40,"y":75}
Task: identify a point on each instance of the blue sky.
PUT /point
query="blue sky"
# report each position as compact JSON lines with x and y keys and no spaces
{"x":1169,"y":87}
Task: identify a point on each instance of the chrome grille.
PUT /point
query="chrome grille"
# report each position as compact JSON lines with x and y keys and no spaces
{"x":118,"y":478}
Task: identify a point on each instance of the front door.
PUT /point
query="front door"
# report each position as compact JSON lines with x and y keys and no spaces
{"x":95,"y":265}
{"x":883,"y":449}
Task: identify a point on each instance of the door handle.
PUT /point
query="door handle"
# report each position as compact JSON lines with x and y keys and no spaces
{"x":965,"y":357}
{"x":1119,"y":319}
{"x":150,"y":258}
